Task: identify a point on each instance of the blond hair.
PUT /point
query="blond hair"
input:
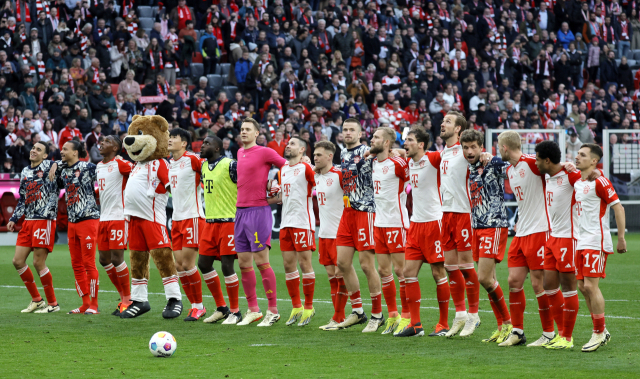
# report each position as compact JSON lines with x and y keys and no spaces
{"x":388,"y":134}
{"x":510,"y":138}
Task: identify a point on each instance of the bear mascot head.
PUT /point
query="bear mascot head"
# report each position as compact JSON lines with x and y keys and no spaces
{"x":146,"y":143}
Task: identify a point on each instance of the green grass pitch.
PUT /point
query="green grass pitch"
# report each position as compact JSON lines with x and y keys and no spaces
{"x":61,"y":345}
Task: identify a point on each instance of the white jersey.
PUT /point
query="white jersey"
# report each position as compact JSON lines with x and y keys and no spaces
{"x":296,"y":185}
{"x":184,"y":176}
{"x":145,"y":195}
{"x":330,"y":202}
{"x":561,"y":204}
{"x":527,"y":184}
{"x":454,"y":180}
{"x":112,"y":180}
{"x":389,"y":182}
{"x":425,"y":188}
{"x":593,"y":202}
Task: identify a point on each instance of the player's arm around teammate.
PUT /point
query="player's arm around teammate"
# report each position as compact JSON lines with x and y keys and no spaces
{"x":594,"y":198}
{"x":38,"y":202}
{"x":112,"y":174}
{"x":489,"y":222}
{"x":297,"y":229}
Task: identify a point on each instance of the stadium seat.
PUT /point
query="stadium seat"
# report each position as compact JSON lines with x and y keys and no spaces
{"x":146,"y":22}
{"x":215,"y":81}
{"x":145,"y":11}
{"x":579,"y":93}
{"x":8,"y":204}
{"x":114,"y":88}
{"x":196,"y":70}
{"x":224,"y":68}
{"x":636,"y":55}
{"x":197,"y":58}
{"x":231,"y":91}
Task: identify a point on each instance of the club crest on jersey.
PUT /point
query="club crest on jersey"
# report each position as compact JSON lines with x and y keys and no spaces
{"x":39,"y":174}
{"x":110,"y":169}
{"x":329,"y":182}
{"x":421,"y":164}
{"x":385,"y":169}
{"x":356,"y":160}
{"x":480,"y":170}
{"x":296,"y":172}
{"x":586,"y":190}
{"x":455,"y":152}
{"x":521,"y":172}
{"x":77,"y":173}
{"x":182,"y":165}
{"x":559,"y":181}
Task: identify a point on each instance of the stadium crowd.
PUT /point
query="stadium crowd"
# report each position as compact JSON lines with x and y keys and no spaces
{"x":301,"y":68}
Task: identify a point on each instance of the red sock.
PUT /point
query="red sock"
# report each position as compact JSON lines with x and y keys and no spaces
{"x":356,"y":300}
{"x":333,"y":282}
{"x":598,"y":323}
{"x":186,"y":287}
{"x":556,"y":304}
{"x":405,"y":311}
{"x":502,"y":304}
{"x":94,"y":287}
{"x":389,"y":292}
{"x":413,"y":299}
{"x":496,"y":311}
{"x":195,"y":281}
{"x":123,"y":277}
{"x":457,"y":286}
{"x":47,"y":284}
{"x":233,"y":285}
{"x":472,"y":286}
{"x":113,"y":276}
{"x":27,"y":277}
{"x":293,"y":286}
{"x":517,"y":305}
{"x":443,"y":293}
{"x":341,"y":300}
{"x":86,"y":303}
{"x":212,"y":280}
{"x":376,"y":303}
{"x":570,"y":313}
{"x":308,"y":287}
{"x":545,"y":313}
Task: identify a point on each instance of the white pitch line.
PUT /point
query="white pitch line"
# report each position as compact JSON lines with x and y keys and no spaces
{"x":330,"y":302}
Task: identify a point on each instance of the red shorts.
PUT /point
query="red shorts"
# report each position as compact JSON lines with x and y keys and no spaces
{"x":591,"y":263}
{"x":294,"y":239}
{"x":328,"y":252}
{"x":424,"y":242}
{"x":456,"y":231}
{"x":217,"y":239}
{"x":528,"y":251}
{"x":37,"y":234}
{"x":113,"y":235}
{"x":186,"y":233}
{"x":490,"y":243}
{"x":145,"y":235}
{"x":559,"y":254}
{"x":390,"y":240}
{"x":356,"y":230}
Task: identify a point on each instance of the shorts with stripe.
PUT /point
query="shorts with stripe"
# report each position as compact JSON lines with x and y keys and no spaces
{"x":456,"y":231}
{"x":424,"y":242}
{"x":37,"y":234}
{"x":559,"y":254}
{"x":113,"y":235}
{"x":356,"y":230}
{"x":295,"y":239}
{"x":390,"y":240}
{"x":490,"y":243}
{"x":186,"y":233}
{"x":145,"y":235}
{"x":591,"y":264}
{"x":528,"y":251}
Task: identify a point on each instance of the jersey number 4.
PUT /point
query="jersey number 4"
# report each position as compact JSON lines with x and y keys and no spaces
{"x":40,"y":234}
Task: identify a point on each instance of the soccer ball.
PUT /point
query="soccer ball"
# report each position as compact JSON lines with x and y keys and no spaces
{"x":163,"y":344}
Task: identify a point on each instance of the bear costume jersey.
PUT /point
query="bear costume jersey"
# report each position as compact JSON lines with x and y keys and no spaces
{"x":145,"y":202}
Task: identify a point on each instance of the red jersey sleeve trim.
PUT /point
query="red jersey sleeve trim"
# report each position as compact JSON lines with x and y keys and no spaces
{"x":435,"y":158}
{"x":401,"y":168}
{"x":531,"y":161}
{"x":573,"y":176}
{"x":605,"y":190}
{"x":124,"y":167}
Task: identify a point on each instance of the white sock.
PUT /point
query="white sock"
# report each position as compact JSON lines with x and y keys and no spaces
{"x":519,"y":331}
{"x":462,"y":314}
{"x":171,"y":287}
{"x":376,"y":315}
{"x":139,"y":290}
{"x":549,"y":334}
{"x":358,"y":310}
{"x":197,"y":306}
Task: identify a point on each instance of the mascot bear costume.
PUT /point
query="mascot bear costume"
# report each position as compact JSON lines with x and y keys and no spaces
{"x":145,"y":202}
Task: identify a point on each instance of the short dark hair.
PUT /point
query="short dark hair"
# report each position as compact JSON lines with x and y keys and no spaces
{"x":302,"y":142}
{"x":115,"y":140}
{"x":328,"y":146}
{"x":472,"y":135}
{"x":461,"y":121}
{"x":550,"y":150}
{"x":595,"y":149}
{"x":252,"y":121}
{"x":184,"y":135}
{"x":216,"y":141}
{"x":79,"y":147}
{"x":421,"y":136}
{"x":352,"y":120}
{"x":46,"y":146}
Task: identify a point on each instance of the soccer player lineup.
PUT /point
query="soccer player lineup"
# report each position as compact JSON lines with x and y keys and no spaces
{"x":222,"y":211}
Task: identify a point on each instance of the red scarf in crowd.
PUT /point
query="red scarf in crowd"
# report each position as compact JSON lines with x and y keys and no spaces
{"x":162,"y":90}
{"x":41,"y":69}
{"x":27,"y":13}
{"x":27,"y":62}
{"x":126,"y":5}
{"x":96,"y":76}
{"x":153,"y":63}
{"x":184,"y":14}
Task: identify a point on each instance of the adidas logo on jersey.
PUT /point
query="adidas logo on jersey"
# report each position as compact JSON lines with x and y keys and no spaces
{"x":41,"y":243}
{"x":439,"y":256}
{"x":160,"y":243}
{"x":593,"y":270}
{"x":468,"y":245}
{"x":399,"y":246}
{"x":88,"y":238}
{"x":260,"y":245}
{"x":366,"y":244}
{"x":567,"y":266}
